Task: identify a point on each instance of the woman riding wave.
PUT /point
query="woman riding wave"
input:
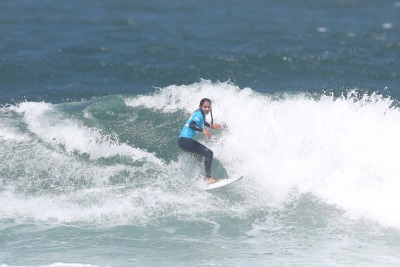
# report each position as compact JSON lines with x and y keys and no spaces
{"x":196,"y":124}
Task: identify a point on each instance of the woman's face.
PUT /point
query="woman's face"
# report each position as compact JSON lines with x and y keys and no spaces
{"x":206,"y":107}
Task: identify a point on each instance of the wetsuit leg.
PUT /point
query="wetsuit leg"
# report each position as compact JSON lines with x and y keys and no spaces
{"x":195,"y":147}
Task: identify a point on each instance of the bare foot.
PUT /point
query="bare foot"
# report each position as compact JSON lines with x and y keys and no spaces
{"x":211,"y":180}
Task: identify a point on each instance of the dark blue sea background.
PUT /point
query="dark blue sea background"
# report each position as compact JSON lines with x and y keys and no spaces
{"x":60,"y":51}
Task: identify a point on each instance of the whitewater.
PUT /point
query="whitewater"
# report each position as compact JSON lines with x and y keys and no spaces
{"x":319,"y":169}
{"x":343,"y":150}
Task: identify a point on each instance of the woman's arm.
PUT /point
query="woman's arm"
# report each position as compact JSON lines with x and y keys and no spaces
{"x":194,"y":127}
{"x":213,"y":126}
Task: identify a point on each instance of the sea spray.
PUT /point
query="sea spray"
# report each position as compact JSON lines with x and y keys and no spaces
{"x":108,"y":160}
{"x":343,"y":150}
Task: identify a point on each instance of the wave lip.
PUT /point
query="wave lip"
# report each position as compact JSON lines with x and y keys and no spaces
{"x":343,"y":150}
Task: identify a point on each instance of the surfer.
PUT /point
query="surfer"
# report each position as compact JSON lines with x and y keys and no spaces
{"x":196,"y":124}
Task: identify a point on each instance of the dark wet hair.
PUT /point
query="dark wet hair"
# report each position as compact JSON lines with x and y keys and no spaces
{"x":201,"y":104}
{"x":204,"y":100}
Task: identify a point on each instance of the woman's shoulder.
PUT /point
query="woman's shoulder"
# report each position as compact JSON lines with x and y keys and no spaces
{"x":198,"y":114}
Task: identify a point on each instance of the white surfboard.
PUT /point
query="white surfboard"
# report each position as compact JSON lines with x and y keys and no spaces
{"x":222,"y":182}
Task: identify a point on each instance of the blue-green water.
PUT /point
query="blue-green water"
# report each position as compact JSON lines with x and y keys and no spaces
{"x":93,"y":95}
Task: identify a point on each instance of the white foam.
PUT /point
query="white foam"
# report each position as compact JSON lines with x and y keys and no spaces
{"x":57,"y":264}
{"x":9,"y":129}
{"x":343,"y":150}
{"x":387,"y":26}
{"x":11,"y":134}
{"x":53,"y":127}
{"x":322,"y":29}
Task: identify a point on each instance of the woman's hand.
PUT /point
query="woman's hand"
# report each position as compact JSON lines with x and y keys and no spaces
{"x":207,"y":133}
{"x":216,"y":126}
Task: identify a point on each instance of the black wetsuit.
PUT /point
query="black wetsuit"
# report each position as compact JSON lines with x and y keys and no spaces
{"x":186,"y":141}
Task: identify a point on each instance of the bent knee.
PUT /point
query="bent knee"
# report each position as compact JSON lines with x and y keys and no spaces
{"x":208,"y":153}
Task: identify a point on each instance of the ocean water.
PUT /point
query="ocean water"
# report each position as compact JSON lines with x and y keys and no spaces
{"x":93,"y":95}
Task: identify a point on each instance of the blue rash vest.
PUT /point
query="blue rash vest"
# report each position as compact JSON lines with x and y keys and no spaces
{"x":198,"y":118}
